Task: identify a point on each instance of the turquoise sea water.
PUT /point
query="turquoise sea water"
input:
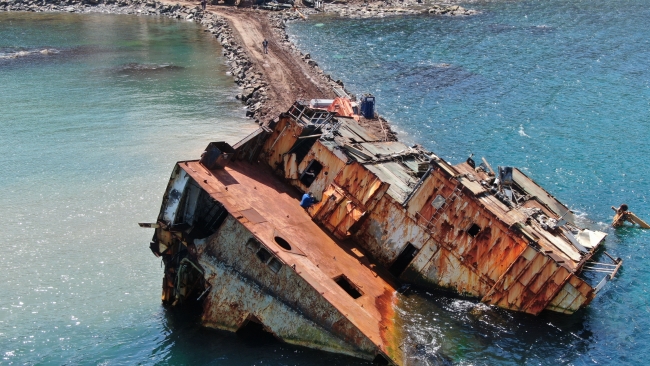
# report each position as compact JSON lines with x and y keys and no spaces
{"x":91,"y":127}
{"x":558,"y":88}
{"x":95,"y":111}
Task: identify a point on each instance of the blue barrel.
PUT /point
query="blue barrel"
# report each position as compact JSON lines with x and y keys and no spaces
{"x":368,"y":106}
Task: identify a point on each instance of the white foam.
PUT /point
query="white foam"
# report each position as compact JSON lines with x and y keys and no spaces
{"x":522,"y":132}
{"x":17,"y":54}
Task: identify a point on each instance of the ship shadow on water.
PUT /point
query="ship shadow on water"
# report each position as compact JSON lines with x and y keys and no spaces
{"x":185,"y":341}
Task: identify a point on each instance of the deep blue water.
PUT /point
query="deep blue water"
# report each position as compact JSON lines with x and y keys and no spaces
{"x":560,"y":89}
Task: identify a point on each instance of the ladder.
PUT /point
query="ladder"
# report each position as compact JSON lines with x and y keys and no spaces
{"x":455,"y":194}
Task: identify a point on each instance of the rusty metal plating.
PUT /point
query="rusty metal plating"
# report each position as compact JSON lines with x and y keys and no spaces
{"x":233,"y":237}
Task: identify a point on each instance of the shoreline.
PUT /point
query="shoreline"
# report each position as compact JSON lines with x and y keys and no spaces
{"x":269,"y":83}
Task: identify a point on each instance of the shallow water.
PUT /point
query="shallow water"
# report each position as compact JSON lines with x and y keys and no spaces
{"x":559,"y":89}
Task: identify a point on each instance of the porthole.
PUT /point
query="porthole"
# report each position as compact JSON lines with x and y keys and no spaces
{"x":283,"y":243}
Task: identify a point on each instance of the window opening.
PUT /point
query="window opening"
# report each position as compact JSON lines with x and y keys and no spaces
{"x":191,"y":197}
{"x":275,"y":265}
{"x":403,"y":260}
{"x":263,"y":255}
{"x":347,"y":286}
{"x":209,"y":215}
{"x":311,"y":172}
{"x":283,"y":243}
{"x":302,"y":146}
{"x":438,"y":202}
{"x":474,"y":230}
{"x":253,"y":245}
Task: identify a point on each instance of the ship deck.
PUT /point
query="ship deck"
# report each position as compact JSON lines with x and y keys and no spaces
{"x":270,"y":208}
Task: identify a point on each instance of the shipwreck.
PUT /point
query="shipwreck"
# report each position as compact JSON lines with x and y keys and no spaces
{"x":233,"y":237}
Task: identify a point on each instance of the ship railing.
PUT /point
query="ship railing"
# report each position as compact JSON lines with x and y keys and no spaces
{"x":600,"y":267}
{"x":610,"y":270}
{"x":315,"y":117}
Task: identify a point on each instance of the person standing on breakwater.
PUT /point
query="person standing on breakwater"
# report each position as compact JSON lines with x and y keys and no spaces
{"x":265,"y":44}
{"x":204,"y":3}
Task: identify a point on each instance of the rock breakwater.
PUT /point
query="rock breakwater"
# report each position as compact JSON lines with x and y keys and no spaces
{"x":250,"y":76}
{"x":380,"y":9}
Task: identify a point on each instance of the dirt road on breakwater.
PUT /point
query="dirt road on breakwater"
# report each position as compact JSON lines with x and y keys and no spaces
{"x":287,"y":75}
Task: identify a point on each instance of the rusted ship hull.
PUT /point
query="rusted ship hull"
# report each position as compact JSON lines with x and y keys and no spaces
{"x":232,"y":235}
{"x":432,"y":224}
{"x":241,"y":244}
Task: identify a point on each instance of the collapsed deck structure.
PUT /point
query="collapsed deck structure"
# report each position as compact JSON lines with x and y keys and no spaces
{"x":232,"y":235}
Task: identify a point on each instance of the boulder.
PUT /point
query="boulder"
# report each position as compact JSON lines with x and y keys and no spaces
{"x":247,"y":93}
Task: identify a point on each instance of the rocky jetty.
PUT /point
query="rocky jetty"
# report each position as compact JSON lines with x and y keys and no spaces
{"x":251,"y":82}
{"x":380,"y":9}
{"x":109,"y":7}
{"x":251,"y":78}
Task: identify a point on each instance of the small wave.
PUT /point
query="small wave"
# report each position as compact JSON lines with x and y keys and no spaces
{"x":8,"y":55}
{"x":583,"y":220}
{"x":461,"y":306}
{"x":522,"y":132}
{"x":541,"y":28}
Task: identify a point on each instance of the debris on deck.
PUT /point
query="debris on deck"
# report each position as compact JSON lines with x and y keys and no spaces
{"x":232,"y":234}
{"x":622,"y":215}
